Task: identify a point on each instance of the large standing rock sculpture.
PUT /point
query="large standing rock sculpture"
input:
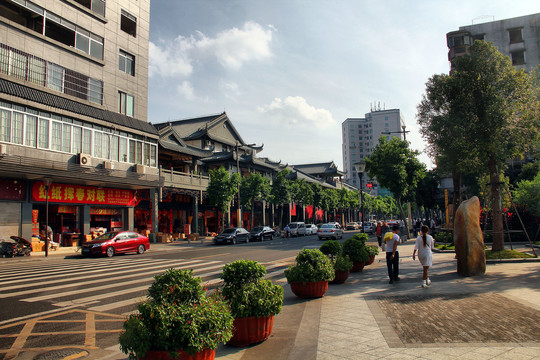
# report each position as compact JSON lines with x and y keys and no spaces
{"x":468,"y":239}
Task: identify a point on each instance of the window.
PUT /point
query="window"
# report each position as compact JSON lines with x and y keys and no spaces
{"x":518,"y":57}
{"x":77,"y":140}
{"x":18,"y":128}
{"x":98,"y":146}
{"x":5,"y":125}
{"x":97,"y":6}
{"x":515,"y":35}
{"x":123,"y":150}
{"x":31,"y":131}
{"x":87,"y":141}
{"x":55,"y":78}
{"x":125,"y":104}
{"x":43,"y":133}
{"x":132,"y":150}
{"x":126,"y":63}
{"x":56,"y":138}
{"x":128,"y":23}
{"x":66,"y":138}
{"x":76,"y":84}
{"x":95,"y":91}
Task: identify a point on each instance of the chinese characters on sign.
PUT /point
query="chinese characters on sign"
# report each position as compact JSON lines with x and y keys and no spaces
{"x":76,"y":194}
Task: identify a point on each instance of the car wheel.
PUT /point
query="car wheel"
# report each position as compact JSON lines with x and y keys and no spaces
{"x":271,"y":237}
{"x":233,"y":241}
{"x":110,"y":251}
{"x":247,"y":240}
{"x":140,"y":249}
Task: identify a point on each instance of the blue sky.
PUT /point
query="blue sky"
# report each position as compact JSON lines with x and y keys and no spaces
{"x":289,"y":72}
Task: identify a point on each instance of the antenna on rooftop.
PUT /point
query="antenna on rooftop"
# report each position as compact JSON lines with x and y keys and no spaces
{"x":481,"y":17}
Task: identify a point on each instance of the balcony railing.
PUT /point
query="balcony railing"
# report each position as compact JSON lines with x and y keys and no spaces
{"x":177,"y":179}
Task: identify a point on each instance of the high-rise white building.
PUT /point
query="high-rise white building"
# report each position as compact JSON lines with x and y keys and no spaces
{"x":361,"y":135}
{"x":518,"y":38}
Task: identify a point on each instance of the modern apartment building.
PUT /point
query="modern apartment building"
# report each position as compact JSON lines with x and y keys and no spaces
{"x":76,"y":150}
{"x":361,"y":135}
{"x":518,"y":38}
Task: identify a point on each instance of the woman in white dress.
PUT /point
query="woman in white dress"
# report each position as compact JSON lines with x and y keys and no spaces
{"x":424,"y":245}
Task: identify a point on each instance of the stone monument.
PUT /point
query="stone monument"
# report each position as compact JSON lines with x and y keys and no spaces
{"x":468,"y":239}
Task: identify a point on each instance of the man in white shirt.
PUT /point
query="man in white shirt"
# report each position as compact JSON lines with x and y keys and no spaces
{"x":392,"y":255}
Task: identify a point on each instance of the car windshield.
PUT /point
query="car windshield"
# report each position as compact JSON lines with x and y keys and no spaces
{"x":107,"y":236}
{"x":257,"y":229}
{"x":228,"y":231}
{"x":293,"y":226}
{"x":326,"y":226}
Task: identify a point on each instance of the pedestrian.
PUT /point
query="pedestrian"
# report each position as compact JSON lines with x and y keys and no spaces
{"x":424,"y":246}
{"x":384,"y":230}
{"x":392,"y":255}
{"x":287,"y":230}
{"x":379,"y":233}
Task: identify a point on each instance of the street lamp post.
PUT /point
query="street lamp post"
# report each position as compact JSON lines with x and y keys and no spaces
{"x":398,"y":132}
{"x":47,"y":185}
{"x":360,"y":167}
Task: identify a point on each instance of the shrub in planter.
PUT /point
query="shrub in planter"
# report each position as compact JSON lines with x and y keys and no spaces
{"x":178,"y":317}
{"x":331,"y":248}
{"x":310,"y":275}
{"x":253,"y":301}
{"x":372,"y":252}
{"x":355,"y":248}
{"x":342,"y":267}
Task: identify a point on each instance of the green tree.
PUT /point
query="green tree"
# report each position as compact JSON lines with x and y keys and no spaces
{"x":281,"y":192}
{"x":221,"y":189}
{"x":496,"y":107}
{"x":427,"y":187}
{"x":396,"y":168}
{"x":317,"y":199}
{"x":254,"y":188}
{"x":527,"y":194}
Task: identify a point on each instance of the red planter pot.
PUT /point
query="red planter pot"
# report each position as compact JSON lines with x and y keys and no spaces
{"x":206,"y":354}
{"x":309,"y":290}
{"x":341,"y":276}
{"x":358,"y":266}
{"x":371,"y":259}
{"x":251,"y":330}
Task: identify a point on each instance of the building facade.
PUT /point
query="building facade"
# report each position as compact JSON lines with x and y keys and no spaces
{"x":517,"y":38}
{"x":77,"y":152}
{"x":361,"y":135}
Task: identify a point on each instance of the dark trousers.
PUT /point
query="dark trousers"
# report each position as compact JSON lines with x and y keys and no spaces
{"x":392,"y":265}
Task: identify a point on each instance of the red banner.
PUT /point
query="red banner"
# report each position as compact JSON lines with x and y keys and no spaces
{"x":104,"y":211}
{"x":76,"y":194}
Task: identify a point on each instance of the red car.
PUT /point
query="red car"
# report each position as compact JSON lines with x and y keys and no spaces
{"x":116,"y":242}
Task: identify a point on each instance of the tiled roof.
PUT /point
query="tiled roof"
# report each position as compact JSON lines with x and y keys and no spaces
{"x":49,"y":99}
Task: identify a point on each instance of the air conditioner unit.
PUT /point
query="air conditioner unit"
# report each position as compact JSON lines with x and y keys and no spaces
{"x":108,"y":165}
{"x":139,"y":169}
{"x":84,"y":159}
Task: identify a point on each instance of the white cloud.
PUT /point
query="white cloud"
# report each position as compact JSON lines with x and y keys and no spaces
{"x":230,"y":89}
{"x":186,"y":90}
{"x":232,"y":48}
{"x":295,"y":111}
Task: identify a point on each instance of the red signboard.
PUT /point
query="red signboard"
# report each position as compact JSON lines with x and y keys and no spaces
{"x":77,"y":194}
{"x":12,"y":190}
{"x":369,"y":185}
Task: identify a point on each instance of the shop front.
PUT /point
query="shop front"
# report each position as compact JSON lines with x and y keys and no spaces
{"x":75,"y":212}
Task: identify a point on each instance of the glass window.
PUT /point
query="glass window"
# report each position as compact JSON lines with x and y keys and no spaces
{"x":82,"y":40}
{"x":36,"y":73}
{"x":66,"y":138}
{"x":132,"y":151}
{"x":56,"y":138}
{"x":31,"y":131}
{"x":123,"y":150}
{"x":18,"y":65}
{"x":153,"y":155}
{"x":55,"y":78}
{"x":5,"y":125}
{"x":125,"y":104}
{"x":4,"y":59}
{"x":146,"y":154}
{"x":96,"y":46}
{"x":128,"y":23}
{"x":98,"y":138}
{"x":77,"y":140}
{"x":95,"y":91}
{"x":43,"y":133}
{"x":515,"y":36}
{"x":126,"y":63}
{"x":114,"y":148}
{"x":18,"y":128}
{"x":518,"y":57}
{"x":87,"y":141}
{"x":106,"y":146}
{"x":139,"y":152}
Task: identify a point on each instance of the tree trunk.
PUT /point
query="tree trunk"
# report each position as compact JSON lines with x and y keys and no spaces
{"x":456,"y":179}
{"x":496,"y":206}
{"x":402,"y":214}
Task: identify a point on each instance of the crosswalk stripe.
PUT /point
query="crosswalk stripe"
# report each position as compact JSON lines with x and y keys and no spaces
{"x":89,"y":282}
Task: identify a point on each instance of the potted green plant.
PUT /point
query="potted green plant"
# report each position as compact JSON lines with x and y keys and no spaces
{"x":331,"y":248}
{"x":372,"y":252}
{"x":253,"y":301}
{"x":310,"y":275}
{"x":177,"y":321}
{"x":342,"y":268}
{"x":355,"y":248}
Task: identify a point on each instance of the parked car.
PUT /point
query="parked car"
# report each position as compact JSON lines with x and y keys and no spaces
{"x":311,"y":229}
{"x":298,"y":228}
{"x":259,"y":233}
{"x":232,"y":235}
{"x":116,"y":242}
{"x":369,"y":228}
{"x":352,"y":226}
{"x":330,"y":231}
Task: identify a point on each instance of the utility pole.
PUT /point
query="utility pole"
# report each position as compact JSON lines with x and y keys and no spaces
{"x":238,"y":209}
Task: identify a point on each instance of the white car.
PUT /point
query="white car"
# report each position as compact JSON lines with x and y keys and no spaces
{"x":311,"y":229}
{"x":330,"y":231}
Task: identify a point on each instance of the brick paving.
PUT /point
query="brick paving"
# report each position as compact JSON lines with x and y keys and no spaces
{"x":461,"y":318}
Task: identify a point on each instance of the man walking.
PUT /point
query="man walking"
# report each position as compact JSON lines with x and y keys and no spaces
{"x":392,"y":255}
